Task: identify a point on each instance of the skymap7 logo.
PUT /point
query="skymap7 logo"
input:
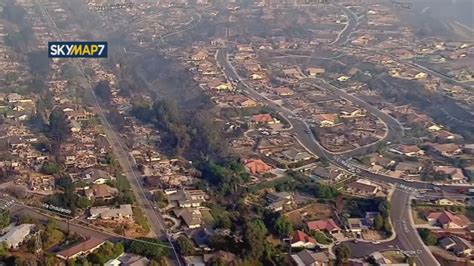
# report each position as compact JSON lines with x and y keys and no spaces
{"x":77,"y":49}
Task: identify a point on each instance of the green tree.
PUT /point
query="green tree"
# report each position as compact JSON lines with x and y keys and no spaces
{"x":59,"y":129}
{"x":11,"y":77}
{"x":384,"y":208}
{"x":283,"y":226}
{"x":84,"y":202}
{"x":49,"y":168}
{"x":150,"y":247}
{"x":255,"y":233}
{"x":378,"y":222}
{"x":428,"y":238}
{"x":5,"y":218}
{"x":103,"y":91}
{"x":343,"y":253}
{"x":185,"y":246}
{"x":387,"y":227}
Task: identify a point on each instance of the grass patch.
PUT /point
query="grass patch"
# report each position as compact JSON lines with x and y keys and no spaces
{"x":321,"y":238}
{"x":418,"y":218}
{"x":140,"y":219}
{"x":207,"y":218}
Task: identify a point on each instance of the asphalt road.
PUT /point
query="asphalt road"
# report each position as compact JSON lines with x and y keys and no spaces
{"x":347,"y":31}
{"x":129,"y":167}
{"x":407,"y":239}
{"x":22,"y":210}
{"x":407,"y":236}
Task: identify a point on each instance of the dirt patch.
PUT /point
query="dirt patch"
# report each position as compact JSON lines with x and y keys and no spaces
{"x":315,"y":211}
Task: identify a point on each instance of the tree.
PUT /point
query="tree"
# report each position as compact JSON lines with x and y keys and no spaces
{"x":384,"y":208}
{"x":343,"y":253}
{"x":255,"y":233}
{"x":387,"y":227}
{"x":428,"y":238}
{"x":49,"y":168}
{"x":283,"y":226}
{"x":149,"y":247}
{"x":103,"y":91}
{"x":4,"y":218}
{"x":185,"y":246}
{"x":59,"y":129}
{"x":11,"y":77}
{"x":378,"y":222}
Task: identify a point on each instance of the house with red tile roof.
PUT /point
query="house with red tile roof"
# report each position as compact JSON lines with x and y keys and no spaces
{"x":284,"y":91}
{"x":324,"y":225}
{"x":81,"y":248}
{"x":453,"y":172}
{"x":326,"y":120}
{"x":448,"y":220}
{"x":302,"y":240}
{"x":257,"y":166}
{"x":264,"y":119}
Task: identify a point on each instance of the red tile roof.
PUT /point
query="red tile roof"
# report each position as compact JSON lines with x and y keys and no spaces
{"x":257,"y":166}
{"x":303,"y":237}
{"x":262,"y":118}
{"x":323,"y":225}
{"x":80,"y":248}
{"x":446,"y":217}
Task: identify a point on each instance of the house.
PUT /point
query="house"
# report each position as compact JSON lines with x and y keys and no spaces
{"x":256,"y":76}
{"x":244,"y":48}
{"x":277,"y":200}
{"x":363,"y":187}
{"x":264,"y":119}
{"x":454,"y":173}
{"x":381,"y":161}
{"x":327,"y":120}
{"x":75,"y":126}
{"x":447,"y":202}
{"x":16,"y":235}
{"x":226,"y":257}
{"x":302,"y":240}
{"x":421,"y":75}
{"x":343,"y":78}
{"x":97,"y":176}
{"x":446,"y":243}
{"x":294,"y":155}
{"x":448,"y":220}
{"x":311,"y":258}
{"x":13,"y":97}
{"x":322,"y":172}
{"x":124,"y":211}
{"x":100,"y":191}
{"x":79,"y":249}
{"x":190,"y":216}
{"x":446,"y":136}
{"x":187,"y":198}
{"x":199,"y":56}
{"x":223,"y":86}
{"x":407,"y":150}
{"x":447,"y":149}
{"x":352,"y":112}
{"x":355,"y":225}
{"x":202,"y":237}
{"x":129,"y":260}
{"x":457,"y":245}
{"x":462,"y":246}
{"x":241,"y":101}
{"x":284,"y":91}
{"x":315,"y":71}
{"x":410,"y":168}
{"x":324,"y":225}
{"x":291,"y":72}
{"x":257,"y":166}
